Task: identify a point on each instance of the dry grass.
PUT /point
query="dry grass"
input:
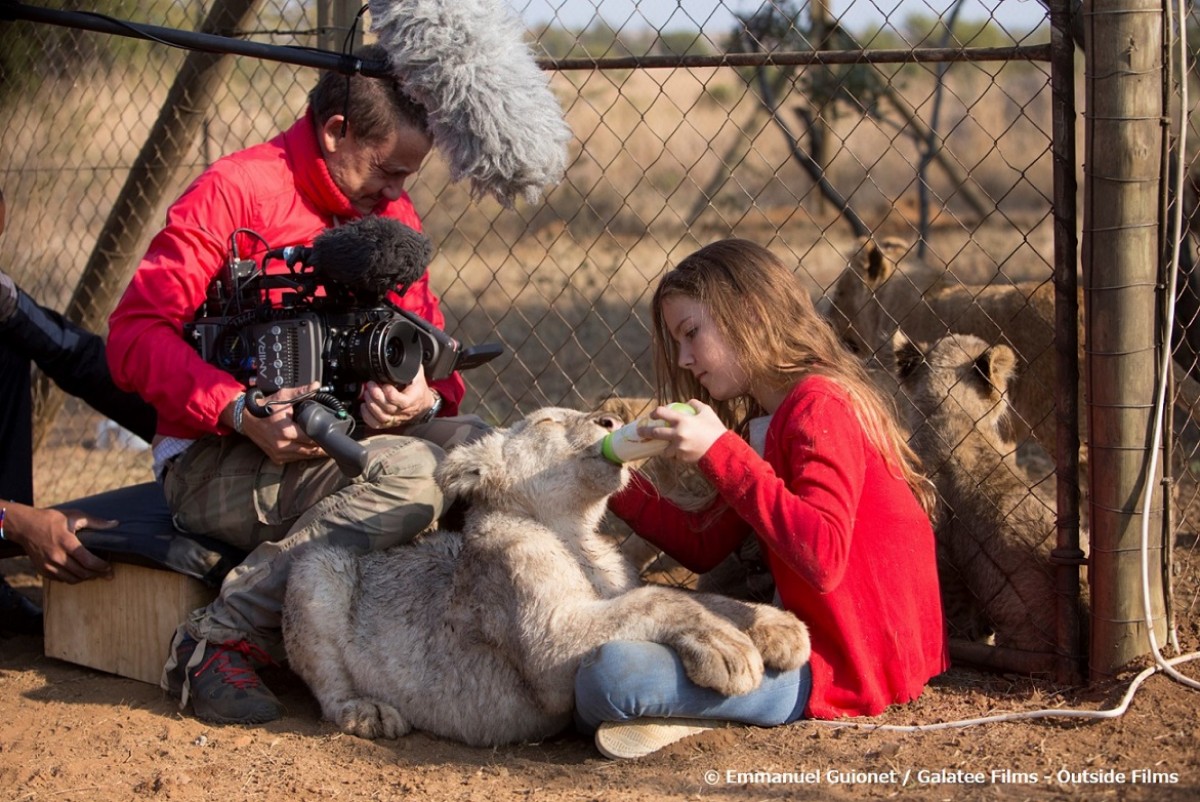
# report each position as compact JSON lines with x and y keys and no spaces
{"x":564,"y":285}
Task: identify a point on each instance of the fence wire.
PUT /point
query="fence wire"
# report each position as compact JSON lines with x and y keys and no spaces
{"x":939,"y":151}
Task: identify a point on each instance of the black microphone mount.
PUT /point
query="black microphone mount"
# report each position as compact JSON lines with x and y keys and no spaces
{"x":191,"y":40}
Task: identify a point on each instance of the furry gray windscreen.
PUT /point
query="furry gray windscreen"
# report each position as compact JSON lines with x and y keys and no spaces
{"x":491,"y":111}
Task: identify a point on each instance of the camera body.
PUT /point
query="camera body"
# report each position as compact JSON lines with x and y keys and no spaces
{"x":292,"y":329}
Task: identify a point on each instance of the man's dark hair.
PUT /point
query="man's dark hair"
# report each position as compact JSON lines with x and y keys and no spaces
{"x":375,"y":106}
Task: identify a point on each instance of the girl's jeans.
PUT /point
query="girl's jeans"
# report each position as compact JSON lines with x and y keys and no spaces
{"x":624,"y":680}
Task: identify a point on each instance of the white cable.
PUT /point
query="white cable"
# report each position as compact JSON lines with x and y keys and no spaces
{"x":1160,"y":402}
{"x":1115,"y":712}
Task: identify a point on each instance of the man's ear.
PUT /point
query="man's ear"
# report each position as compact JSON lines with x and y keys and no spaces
{"x":331,"y":134}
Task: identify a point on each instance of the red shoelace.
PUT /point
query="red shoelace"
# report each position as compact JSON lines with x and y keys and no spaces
{"x":239,"y":676}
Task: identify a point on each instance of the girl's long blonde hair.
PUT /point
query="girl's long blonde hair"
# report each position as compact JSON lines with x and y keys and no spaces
{"x":770,"y":323}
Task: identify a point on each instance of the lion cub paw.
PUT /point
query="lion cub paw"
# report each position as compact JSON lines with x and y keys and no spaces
{"x":722,"y":659}
{"x":781,"y":638}
{"x":370,"y":719}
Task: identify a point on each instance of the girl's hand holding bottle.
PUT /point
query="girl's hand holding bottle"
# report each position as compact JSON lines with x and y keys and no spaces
{"x":683,"y":431}
{"x":689,"y":435}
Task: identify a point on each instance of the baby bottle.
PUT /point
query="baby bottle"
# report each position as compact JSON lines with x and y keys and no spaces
{"x":624,"y":444}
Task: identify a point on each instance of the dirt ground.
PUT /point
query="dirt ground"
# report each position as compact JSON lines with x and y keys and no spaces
{"x":70,"y":733}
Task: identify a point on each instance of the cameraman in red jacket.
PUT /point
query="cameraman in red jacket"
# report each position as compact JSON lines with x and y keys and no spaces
{"x":260,"y":483}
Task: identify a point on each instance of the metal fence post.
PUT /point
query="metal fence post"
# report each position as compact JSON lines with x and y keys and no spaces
{"x":1067,"y":553}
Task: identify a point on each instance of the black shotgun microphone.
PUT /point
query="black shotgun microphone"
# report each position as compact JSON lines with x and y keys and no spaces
{"x":369,"y":257}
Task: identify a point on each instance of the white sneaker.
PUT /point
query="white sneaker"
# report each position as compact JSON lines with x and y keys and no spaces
{"x":619,"y":740}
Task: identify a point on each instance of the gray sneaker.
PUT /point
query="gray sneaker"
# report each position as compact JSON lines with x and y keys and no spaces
{"x":223,"y":686}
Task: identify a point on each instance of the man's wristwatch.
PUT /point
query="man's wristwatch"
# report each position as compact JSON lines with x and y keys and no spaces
{"x":433,"y":410}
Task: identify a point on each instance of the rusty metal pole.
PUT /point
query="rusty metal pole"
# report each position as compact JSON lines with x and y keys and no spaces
{"x":1069,"y":665}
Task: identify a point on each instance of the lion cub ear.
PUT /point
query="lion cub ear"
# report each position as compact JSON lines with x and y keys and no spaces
{"x":475,"y":470}
{"x":876,"y":262}
{"x":627,"y":408}
{"x":996,"y":367}
{"x":908,"y":355}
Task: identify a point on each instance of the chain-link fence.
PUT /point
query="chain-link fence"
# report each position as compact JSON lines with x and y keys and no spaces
{"x":929,"y":129}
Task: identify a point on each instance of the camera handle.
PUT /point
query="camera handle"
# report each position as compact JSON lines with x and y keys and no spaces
{"x":332,"y":434}
{"x":330,"y":430}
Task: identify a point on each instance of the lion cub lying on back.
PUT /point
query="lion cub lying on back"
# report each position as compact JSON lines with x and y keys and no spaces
{"x":477,"y":635}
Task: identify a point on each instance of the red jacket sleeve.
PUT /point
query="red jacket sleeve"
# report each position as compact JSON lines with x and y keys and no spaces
{"x":146,"y":349}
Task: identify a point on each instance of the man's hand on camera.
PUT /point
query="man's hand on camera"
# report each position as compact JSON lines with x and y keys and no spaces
{"x":385,"y":406}
{"x":279,"y":436}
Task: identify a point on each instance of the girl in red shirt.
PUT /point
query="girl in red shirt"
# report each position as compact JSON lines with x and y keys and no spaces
{"x":832,"y":492}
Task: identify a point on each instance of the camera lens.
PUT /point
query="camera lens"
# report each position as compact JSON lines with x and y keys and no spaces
{"x":386,"y":351}
{"x":393,"y":353}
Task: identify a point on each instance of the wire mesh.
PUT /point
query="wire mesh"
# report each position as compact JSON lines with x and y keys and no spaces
{"x":1183,"y":500}
{"x":949,"y":155}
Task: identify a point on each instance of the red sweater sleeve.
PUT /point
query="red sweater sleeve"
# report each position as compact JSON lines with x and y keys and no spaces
{"x":808,"y":520}
{"x":807,"y":523}
{"x":698,"y":540}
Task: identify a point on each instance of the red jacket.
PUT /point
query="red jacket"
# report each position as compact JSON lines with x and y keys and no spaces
{"x":851,"y":550}
{"x":281,"y":190}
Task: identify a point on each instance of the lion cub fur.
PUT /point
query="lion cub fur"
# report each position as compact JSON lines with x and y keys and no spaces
{"x":881,"y":291}
{"x":994,"y":535}
{"x":476,"y":635}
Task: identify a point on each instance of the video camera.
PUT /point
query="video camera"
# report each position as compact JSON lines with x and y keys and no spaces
{"x":328,"y":319}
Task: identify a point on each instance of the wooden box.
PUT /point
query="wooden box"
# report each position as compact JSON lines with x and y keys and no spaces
{"x":123,"y":625}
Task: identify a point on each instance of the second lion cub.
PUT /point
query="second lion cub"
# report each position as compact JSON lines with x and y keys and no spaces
{"x":994,"y":534}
